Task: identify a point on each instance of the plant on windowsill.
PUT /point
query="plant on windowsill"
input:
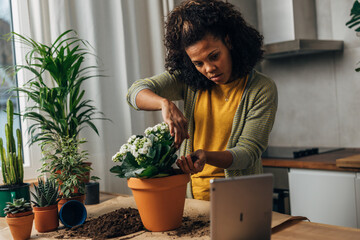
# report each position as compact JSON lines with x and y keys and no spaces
{"x":12,"y":164}
{"x":19,"y":217}
{"x":60,"y":110}
{"x":147,"y":163}
{"x":45,"y":207}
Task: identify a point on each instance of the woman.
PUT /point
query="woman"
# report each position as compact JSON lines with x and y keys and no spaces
{"x":229,"y":108}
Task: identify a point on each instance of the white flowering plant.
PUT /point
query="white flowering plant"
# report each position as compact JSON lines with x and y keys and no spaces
{"x":148,"y":156}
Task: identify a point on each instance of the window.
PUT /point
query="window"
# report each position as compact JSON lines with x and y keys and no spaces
{"x":6,"y":59}
{"x":13,"y":17}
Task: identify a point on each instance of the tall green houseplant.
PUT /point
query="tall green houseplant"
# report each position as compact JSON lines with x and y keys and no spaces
{"x":60,"y":110}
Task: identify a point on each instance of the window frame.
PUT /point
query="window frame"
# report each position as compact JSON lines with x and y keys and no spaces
{"x":20,"y":24}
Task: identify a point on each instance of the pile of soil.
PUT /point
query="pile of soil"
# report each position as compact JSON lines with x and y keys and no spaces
{"x":118,"y":223}
{"x":126,"y":221}
{"x":192,"y":228}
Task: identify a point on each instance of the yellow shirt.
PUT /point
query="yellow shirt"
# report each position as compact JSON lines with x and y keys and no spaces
{"x":213,"y":114}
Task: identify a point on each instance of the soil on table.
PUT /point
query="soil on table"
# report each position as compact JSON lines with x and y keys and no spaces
{"x":197,"y":227}
{"x":126,"y":221}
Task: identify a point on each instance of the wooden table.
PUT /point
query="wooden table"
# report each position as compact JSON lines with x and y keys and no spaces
{"x":283,"y":226}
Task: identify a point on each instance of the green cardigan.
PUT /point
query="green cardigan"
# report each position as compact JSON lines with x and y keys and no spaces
{"x":252,"y":122}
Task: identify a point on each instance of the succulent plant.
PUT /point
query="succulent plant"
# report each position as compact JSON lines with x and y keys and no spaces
{"x":17,"y":206}
{"x":46,"y":193}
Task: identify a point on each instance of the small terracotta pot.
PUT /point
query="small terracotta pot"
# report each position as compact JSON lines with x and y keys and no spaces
{"x":160,"y":201}
{"x":46,"y":218}
{"x":62,"y":201}
{"x":21,"y":214}
{"x":20,"y":227}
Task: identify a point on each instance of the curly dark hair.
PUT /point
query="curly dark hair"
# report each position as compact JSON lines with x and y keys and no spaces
{"x":192,"y":21}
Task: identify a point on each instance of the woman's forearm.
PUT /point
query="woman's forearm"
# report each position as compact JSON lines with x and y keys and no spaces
{"x":195,"y":162}
{"x":221,"y":159}
{"x":148,"y":100}
{"x":173,"y":117}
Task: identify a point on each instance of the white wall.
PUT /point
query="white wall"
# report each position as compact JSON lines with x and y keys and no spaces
{"x":319,"y":103}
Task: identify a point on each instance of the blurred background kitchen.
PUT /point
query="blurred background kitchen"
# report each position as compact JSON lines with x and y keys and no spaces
{"x":317,"y":83}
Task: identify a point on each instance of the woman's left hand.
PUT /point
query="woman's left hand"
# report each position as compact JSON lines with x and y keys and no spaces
{"x":188,"y":165}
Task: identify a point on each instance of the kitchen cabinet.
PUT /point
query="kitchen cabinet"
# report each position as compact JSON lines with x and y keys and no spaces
{"x":330,"y":197}
{"x":318,"y":188}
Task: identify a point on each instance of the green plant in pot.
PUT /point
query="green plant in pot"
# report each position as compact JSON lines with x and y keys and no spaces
{"x":19,"y":218}
{"x":147,"y":163}
{"x":60,"y":110}
{"x":64,"y":162}
{"x":46,"y":197}
{"x":12,"y":163}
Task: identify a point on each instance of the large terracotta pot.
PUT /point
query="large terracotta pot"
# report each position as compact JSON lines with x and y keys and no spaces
{"x":20,"y":227}
{"x":62,"y":201}
{"x":160,"y":201}
{"x":46,"y":218}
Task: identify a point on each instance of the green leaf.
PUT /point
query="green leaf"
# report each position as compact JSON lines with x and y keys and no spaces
{"x":149,"y":172}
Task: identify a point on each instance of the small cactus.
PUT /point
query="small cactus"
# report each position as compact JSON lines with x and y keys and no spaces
{"x":46,"y":193}
{"x":11,"y":163}
{"x":17,"y":206}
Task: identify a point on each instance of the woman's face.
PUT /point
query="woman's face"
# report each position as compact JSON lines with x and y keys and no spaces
{"x":212,"y":58}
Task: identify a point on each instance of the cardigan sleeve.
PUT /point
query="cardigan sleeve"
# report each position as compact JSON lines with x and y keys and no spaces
{"x":165,"y":85}
{"x":259,"y":120}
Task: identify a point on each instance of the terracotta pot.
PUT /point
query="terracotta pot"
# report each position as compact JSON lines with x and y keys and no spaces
{"x":160,"y":201}
{"x":62,"y":201}
{"x":21,"y":214}
{"x":46,"y":218}
{"x":20,"y":227}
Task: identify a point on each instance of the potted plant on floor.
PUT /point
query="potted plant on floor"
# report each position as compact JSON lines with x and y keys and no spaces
{"x":65,"y":163}
{"x":12,"y":164}
{"x":60,"y":110}
{"x":45,"y":207}
{"x":159,"y":190}
{"x":92,"y":192}
{"x":19,"y":217}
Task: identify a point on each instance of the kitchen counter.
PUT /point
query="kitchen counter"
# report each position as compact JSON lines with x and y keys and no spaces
{"x":323,"y":161}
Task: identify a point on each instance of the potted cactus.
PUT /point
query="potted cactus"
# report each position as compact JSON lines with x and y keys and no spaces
{"x":12,"y":164}
{"x":45,"y":201}
{"x":19,"y":218}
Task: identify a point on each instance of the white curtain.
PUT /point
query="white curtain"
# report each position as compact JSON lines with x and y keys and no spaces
{"x":127,"y":36}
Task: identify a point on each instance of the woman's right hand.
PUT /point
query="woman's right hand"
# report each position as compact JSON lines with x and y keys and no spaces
{"x":176,"y":121}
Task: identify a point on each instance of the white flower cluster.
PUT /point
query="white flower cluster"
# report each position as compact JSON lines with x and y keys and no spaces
{"x":159,"y":131}
{"x":138,"y":146}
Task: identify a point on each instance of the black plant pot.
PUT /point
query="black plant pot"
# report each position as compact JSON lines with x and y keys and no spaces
{"x":92,"y":193}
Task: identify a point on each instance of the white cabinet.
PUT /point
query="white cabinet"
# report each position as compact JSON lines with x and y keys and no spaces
{"x":328,"y":197}
{"x":357,"y":192}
